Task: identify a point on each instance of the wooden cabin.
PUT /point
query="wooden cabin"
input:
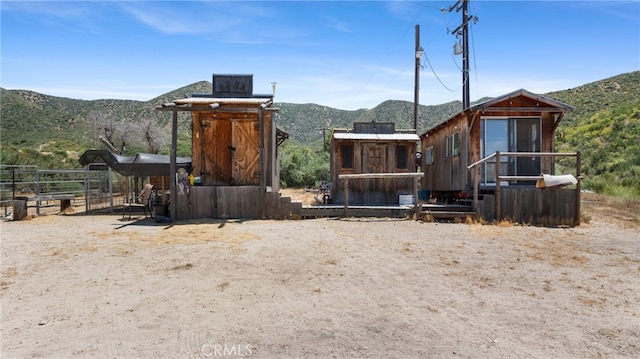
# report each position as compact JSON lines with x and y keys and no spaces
{"x":372,"y":147}
{"x":459,"y":159}
{"x":235,"y":158}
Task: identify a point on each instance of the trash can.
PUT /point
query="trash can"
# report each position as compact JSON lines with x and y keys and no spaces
{"x":424,"y":195}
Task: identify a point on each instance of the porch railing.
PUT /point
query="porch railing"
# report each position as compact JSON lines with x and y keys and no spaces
{"x":413,"y":175}
{"x":497,"y":155}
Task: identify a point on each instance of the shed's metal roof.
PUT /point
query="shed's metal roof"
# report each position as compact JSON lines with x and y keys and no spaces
{"x":373,"y":136}
{"x":142,"y":164}
{"x":223,"y":100}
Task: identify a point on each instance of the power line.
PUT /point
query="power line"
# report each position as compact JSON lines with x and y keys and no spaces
{"x":435,"y":74}
{"x":384,"y":61}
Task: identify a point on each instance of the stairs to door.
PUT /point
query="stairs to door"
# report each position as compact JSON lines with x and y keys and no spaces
{"x":447,"y":211}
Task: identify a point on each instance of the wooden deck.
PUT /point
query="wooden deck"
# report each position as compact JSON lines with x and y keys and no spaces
{"x":356,"y":211}
{"x":435,"y":211}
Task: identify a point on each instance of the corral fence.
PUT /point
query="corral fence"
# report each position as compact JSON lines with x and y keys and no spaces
{"x":100,"y":188}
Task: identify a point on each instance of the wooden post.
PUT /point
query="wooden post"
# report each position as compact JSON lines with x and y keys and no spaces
{"x":64,"y":204}
{"x":417,"y":209}
{"x":19,"y":208}
{"x":172,"y":164}
{"x":578,"y":188}
{"x":346,"y":196}
{"x":263,"y":178}
{"x":498,"y":214}
{"x":476,"y":188}
{"x":87,"y":184}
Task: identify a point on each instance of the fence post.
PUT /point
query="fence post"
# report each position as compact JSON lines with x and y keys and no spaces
{"x":578,"y":188}
{"x":476,"y":188}
{"x":346,"y":196}
{"x":110,"y":174}
{"x":38,"y":189}
{"x":417,"y":207}
{"x":498,"y":200}
{"x":87,"y":187}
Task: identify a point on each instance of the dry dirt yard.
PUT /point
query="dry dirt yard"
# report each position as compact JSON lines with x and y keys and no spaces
{"x":80,"y":285}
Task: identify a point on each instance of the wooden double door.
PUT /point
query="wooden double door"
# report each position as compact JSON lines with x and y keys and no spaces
{"x":230,"y":152}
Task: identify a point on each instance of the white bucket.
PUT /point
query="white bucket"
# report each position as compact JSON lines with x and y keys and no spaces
{"x":406,"y":199}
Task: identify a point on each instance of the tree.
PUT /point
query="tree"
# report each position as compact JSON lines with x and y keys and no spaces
{"x":153,"y":135}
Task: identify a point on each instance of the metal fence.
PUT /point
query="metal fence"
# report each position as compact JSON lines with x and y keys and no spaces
{"x":99,"y":186}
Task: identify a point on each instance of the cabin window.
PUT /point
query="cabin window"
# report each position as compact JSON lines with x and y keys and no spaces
{"x":429,"y":158}
{"x":452,"y":145}
{"x":401,"y":157}
{"x":346,"y":152}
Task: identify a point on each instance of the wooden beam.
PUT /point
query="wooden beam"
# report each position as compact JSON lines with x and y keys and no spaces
{"x":172,"y":164}
{"x":263,"y":166}
{"x":382,"y":175}
{"x":207,"y":108}
{"x":346,"y":196}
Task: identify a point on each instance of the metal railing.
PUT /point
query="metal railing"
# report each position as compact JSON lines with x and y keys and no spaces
{"x":94,"y":183}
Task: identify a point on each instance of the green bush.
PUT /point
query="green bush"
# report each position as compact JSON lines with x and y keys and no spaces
{"x":303,"y":166}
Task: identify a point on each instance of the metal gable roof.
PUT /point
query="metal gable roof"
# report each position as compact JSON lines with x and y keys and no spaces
{"x":376,"y":137}
{"x":223,"y":100}
{"x":486,"y":105}
{"x":525,"y":93}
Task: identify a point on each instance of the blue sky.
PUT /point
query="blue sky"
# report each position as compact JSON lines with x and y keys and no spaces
{"x":343,"y":54}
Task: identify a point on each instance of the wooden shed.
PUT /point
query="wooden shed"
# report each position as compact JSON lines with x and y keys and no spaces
{"x":505,"y":143}
{"x":372,"y":147}
{"x":235,"y":158}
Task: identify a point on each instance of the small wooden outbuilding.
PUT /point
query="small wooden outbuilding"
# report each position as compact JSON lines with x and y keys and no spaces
{"x":506,"y":143}
{"x":372,"y":147}
{"x":235,"y":157}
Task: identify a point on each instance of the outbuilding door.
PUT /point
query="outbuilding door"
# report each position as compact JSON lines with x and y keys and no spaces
{"x":245,"y":153}
{"x":374,"y":161}
{"x":230,"y":152}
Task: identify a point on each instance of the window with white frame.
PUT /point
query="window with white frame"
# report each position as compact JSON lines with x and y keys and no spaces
{"x":429,"y":154}
{"x":452,"y":145}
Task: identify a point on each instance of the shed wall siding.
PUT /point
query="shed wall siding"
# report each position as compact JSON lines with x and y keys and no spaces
{"x":371,"y":157}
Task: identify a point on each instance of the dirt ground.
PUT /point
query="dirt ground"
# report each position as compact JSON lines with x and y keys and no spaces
{"x":75,"y":285}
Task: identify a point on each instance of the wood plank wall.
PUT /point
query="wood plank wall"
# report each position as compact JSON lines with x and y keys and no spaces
{"x":540,"y":207}
{"x":377,"y":191}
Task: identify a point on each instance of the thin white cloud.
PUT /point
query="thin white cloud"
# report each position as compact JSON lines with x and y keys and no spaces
{"x":174,"y":20}
{"x":337,"y":24}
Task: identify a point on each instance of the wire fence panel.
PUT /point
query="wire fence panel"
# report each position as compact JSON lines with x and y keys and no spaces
{"x":96,"y":185}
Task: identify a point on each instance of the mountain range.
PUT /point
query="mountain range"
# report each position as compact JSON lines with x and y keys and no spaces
{"x":50,"y":131}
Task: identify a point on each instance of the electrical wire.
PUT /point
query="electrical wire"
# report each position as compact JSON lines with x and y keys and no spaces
{"x":384,"y":61}
{"x":435,"y":74}
{"x":475,"y":68}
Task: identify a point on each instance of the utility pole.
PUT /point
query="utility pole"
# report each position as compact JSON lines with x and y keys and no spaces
{"x":465,"y":55}
{"x":463,"y":29}
{"x":416,"y":89}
